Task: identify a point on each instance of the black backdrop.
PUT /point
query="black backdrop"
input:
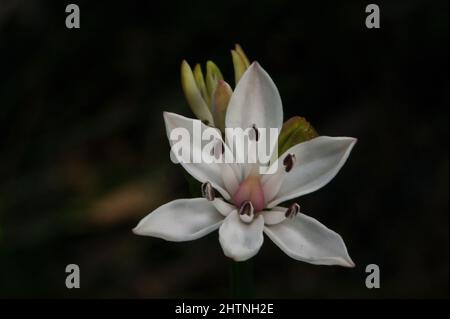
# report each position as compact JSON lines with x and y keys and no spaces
{"x":84,"y":155}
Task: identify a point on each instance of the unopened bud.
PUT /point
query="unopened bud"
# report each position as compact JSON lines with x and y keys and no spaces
{"x":294,"y":131}
{"x":193,"y":94}
{"x":220,"y":101}
{"x":239,"y":66}
{"x":200,"y":81}
{"x":241,"y":52}
{"x":213,"y":76}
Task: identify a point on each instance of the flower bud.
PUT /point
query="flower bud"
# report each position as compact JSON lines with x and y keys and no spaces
{"x":294,"y":131}
{"x":213,"y":76}
{"x":194,"y":95}
{"x":239,"y":64}
{"x":220,"y":101}
{"x":200,"y":81}
{"x":241,"y":52}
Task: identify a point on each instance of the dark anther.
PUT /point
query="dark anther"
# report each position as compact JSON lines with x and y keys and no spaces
{"x":289,"y":162}
{"x":208,"y":191}
{"x":255,"y":132}
{"x":292,"y":211}
{"x":246,"y":212}
{"x":246,"y":208}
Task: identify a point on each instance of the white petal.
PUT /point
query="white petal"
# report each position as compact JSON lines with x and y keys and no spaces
{"x":181,"y":220}
{"x":222,"y":206}
{"x":230,"y":180}
{"x":304,"y":238}
{"x":317,"y":161}
{"x":241,"y":241}
{"x":274,"y":216}
{"x":255,"y":101}
{"x":202,"y":171}
{"x":272,"y":182}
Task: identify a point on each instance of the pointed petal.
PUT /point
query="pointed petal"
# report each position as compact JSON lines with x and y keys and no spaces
{"x":202,"y":171}
{"x":241,"y":241}
{"x":306,"y":239}
{"x":180,"y":220}
{"x":255,"y":101}
{"x":230,"y":180}
{"x":274,"y":216}
{"x":254,"y":104}
{"x":272,"y":183}
{"x":317,"y":161}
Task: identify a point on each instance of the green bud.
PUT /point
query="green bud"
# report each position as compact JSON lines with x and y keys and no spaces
{"x":239,"y":66}
{"x":220,"y":101}
{"x":200,"y":80}
{"x":241,"y":52}
{"x":213,"y":76}
{"x":294,"y":131}
{"x":193,"y":93}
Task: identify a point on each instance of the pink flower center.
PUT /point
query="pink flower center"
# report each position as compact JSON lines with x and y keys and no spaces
{"x":250,"y":190}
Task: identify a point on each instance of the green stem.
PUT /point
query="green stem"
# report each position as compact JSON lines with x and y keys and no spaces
{"x":242,"y":279}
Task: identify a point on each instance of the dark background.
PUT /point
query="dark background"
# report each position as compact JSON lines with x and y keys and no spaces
{"x":84,"y":154}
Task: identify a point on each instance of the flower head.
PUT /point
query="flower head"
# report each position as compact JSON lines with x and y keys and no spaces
{"x":244,"y":204}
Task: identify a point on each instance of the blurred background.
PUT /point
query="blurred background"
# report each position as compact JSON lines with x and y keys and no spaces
{"x":84,"y":154}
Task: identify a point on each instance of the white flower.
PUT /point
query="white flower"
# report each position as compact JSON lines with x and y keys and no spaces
{"x":249,"y":203}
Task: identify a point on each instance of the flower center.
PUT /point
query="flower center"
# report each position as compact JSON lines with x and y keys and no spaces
{"x":250,"y":190}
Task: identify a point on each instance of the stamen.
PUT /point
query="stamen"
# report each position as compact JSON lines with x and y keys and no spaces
{"x":246,"y":211}
{"x":208,"y":191}
{"x":292,"y":211}
{"x":256,"y":132}
{"x":289,"y":162}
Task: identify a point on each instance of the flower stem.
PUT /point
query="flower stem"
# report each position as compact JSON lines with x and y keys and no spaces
{"x":242,"y":279}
